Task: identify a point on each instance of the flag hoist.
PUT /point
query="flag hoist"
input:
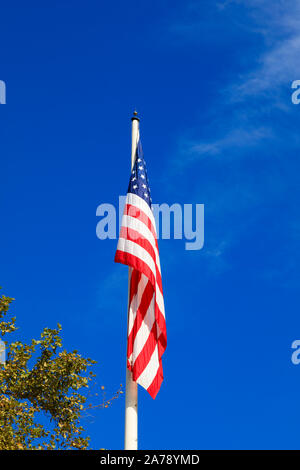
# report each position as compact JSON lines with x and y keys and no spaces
{"x":146,"y":327}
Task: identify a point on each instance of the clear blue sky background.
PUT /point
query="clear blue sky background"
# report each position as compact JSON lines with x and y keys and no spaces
{"x":212,"y":82}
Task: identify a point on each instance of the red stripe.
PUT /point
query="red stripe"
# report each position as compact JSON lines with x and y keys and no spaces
{"x":134,"y":282}
{"x":158,"y":279}
{"x":161,"y":344}
{"x":140,"y":315}
{"x":135,"y":263}
{"x":130,"y":234}
{"x":144,"y":294}
{"x":137,"y":213}
{"x":153,"y":389}
{"x":133,"y":235}
{"x":161,"y":321}
{"x":146,"y":353}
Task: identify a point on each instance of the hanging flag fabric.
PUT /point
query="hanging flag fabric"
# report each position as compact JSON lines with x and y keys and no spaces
{"x":138,"y":249}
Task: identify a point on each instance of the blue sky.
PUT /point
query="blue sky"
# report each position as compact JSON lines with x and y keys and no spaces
{"x":212,"y":83}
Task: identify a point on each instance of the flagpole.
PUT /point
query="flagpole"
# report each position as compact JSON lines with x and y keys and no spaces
{"x":131,"y":394}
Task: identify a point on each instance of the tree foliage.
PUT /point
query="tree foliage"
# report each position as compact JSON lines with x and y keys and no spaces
{"x":41,"y":391}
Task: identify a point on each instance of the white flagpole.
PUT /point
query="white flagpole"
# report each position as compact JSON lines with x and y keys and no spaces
{"x":131,"y":394}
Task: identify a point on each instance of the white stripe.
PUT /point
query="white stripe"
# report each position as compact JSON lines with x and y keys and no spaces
{"x":136,"y":250}
{"x":132,"y":312}
{"x":133,"y":307}
{"x":160,"y":300}
{"x":150,"y":371}
{"x":133,"y":248}
{"x":147,"y":324}
{"x":137,"y":201}
{"x":144,"y":331}
{"x":158,"y":262}
{"x":140,"y":227}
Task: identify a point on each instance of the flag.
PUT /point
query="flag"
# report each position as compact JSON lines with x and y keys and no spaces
{"x":138,"y":248}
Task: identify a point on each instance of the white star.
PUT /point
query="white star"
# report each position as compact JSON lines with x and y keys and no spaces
{"x":133,"y":179}
{"x":134,"y":186}
{"x":144,"y":186}
{"x":142,"y":176}
{"x":145,"y":194}
{"x":141,"y":168}
{"x":139,"y":160}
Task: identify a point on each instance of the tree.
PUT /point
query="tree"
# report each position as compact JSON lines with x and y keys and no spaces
{"x":41,"y":380}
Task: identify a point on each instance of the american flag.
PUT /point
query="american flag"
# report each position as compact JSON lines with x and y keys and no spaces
{"x":137,"y":248}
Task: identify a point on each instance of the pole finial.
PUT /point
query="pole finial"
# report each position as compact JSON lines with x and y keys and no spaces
{"x":135,"y":116}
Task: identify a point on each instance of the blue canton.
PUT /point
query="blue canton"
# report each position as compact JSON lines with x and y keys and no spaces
{"x":138,"y":183}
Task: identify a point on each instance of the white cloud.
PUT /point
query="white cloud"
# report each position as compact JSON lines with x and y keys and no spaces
{"x":269,"y":79}
{"x":240,"y":122}
{"x":240,"y":137}
{"x":277,"y":65}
